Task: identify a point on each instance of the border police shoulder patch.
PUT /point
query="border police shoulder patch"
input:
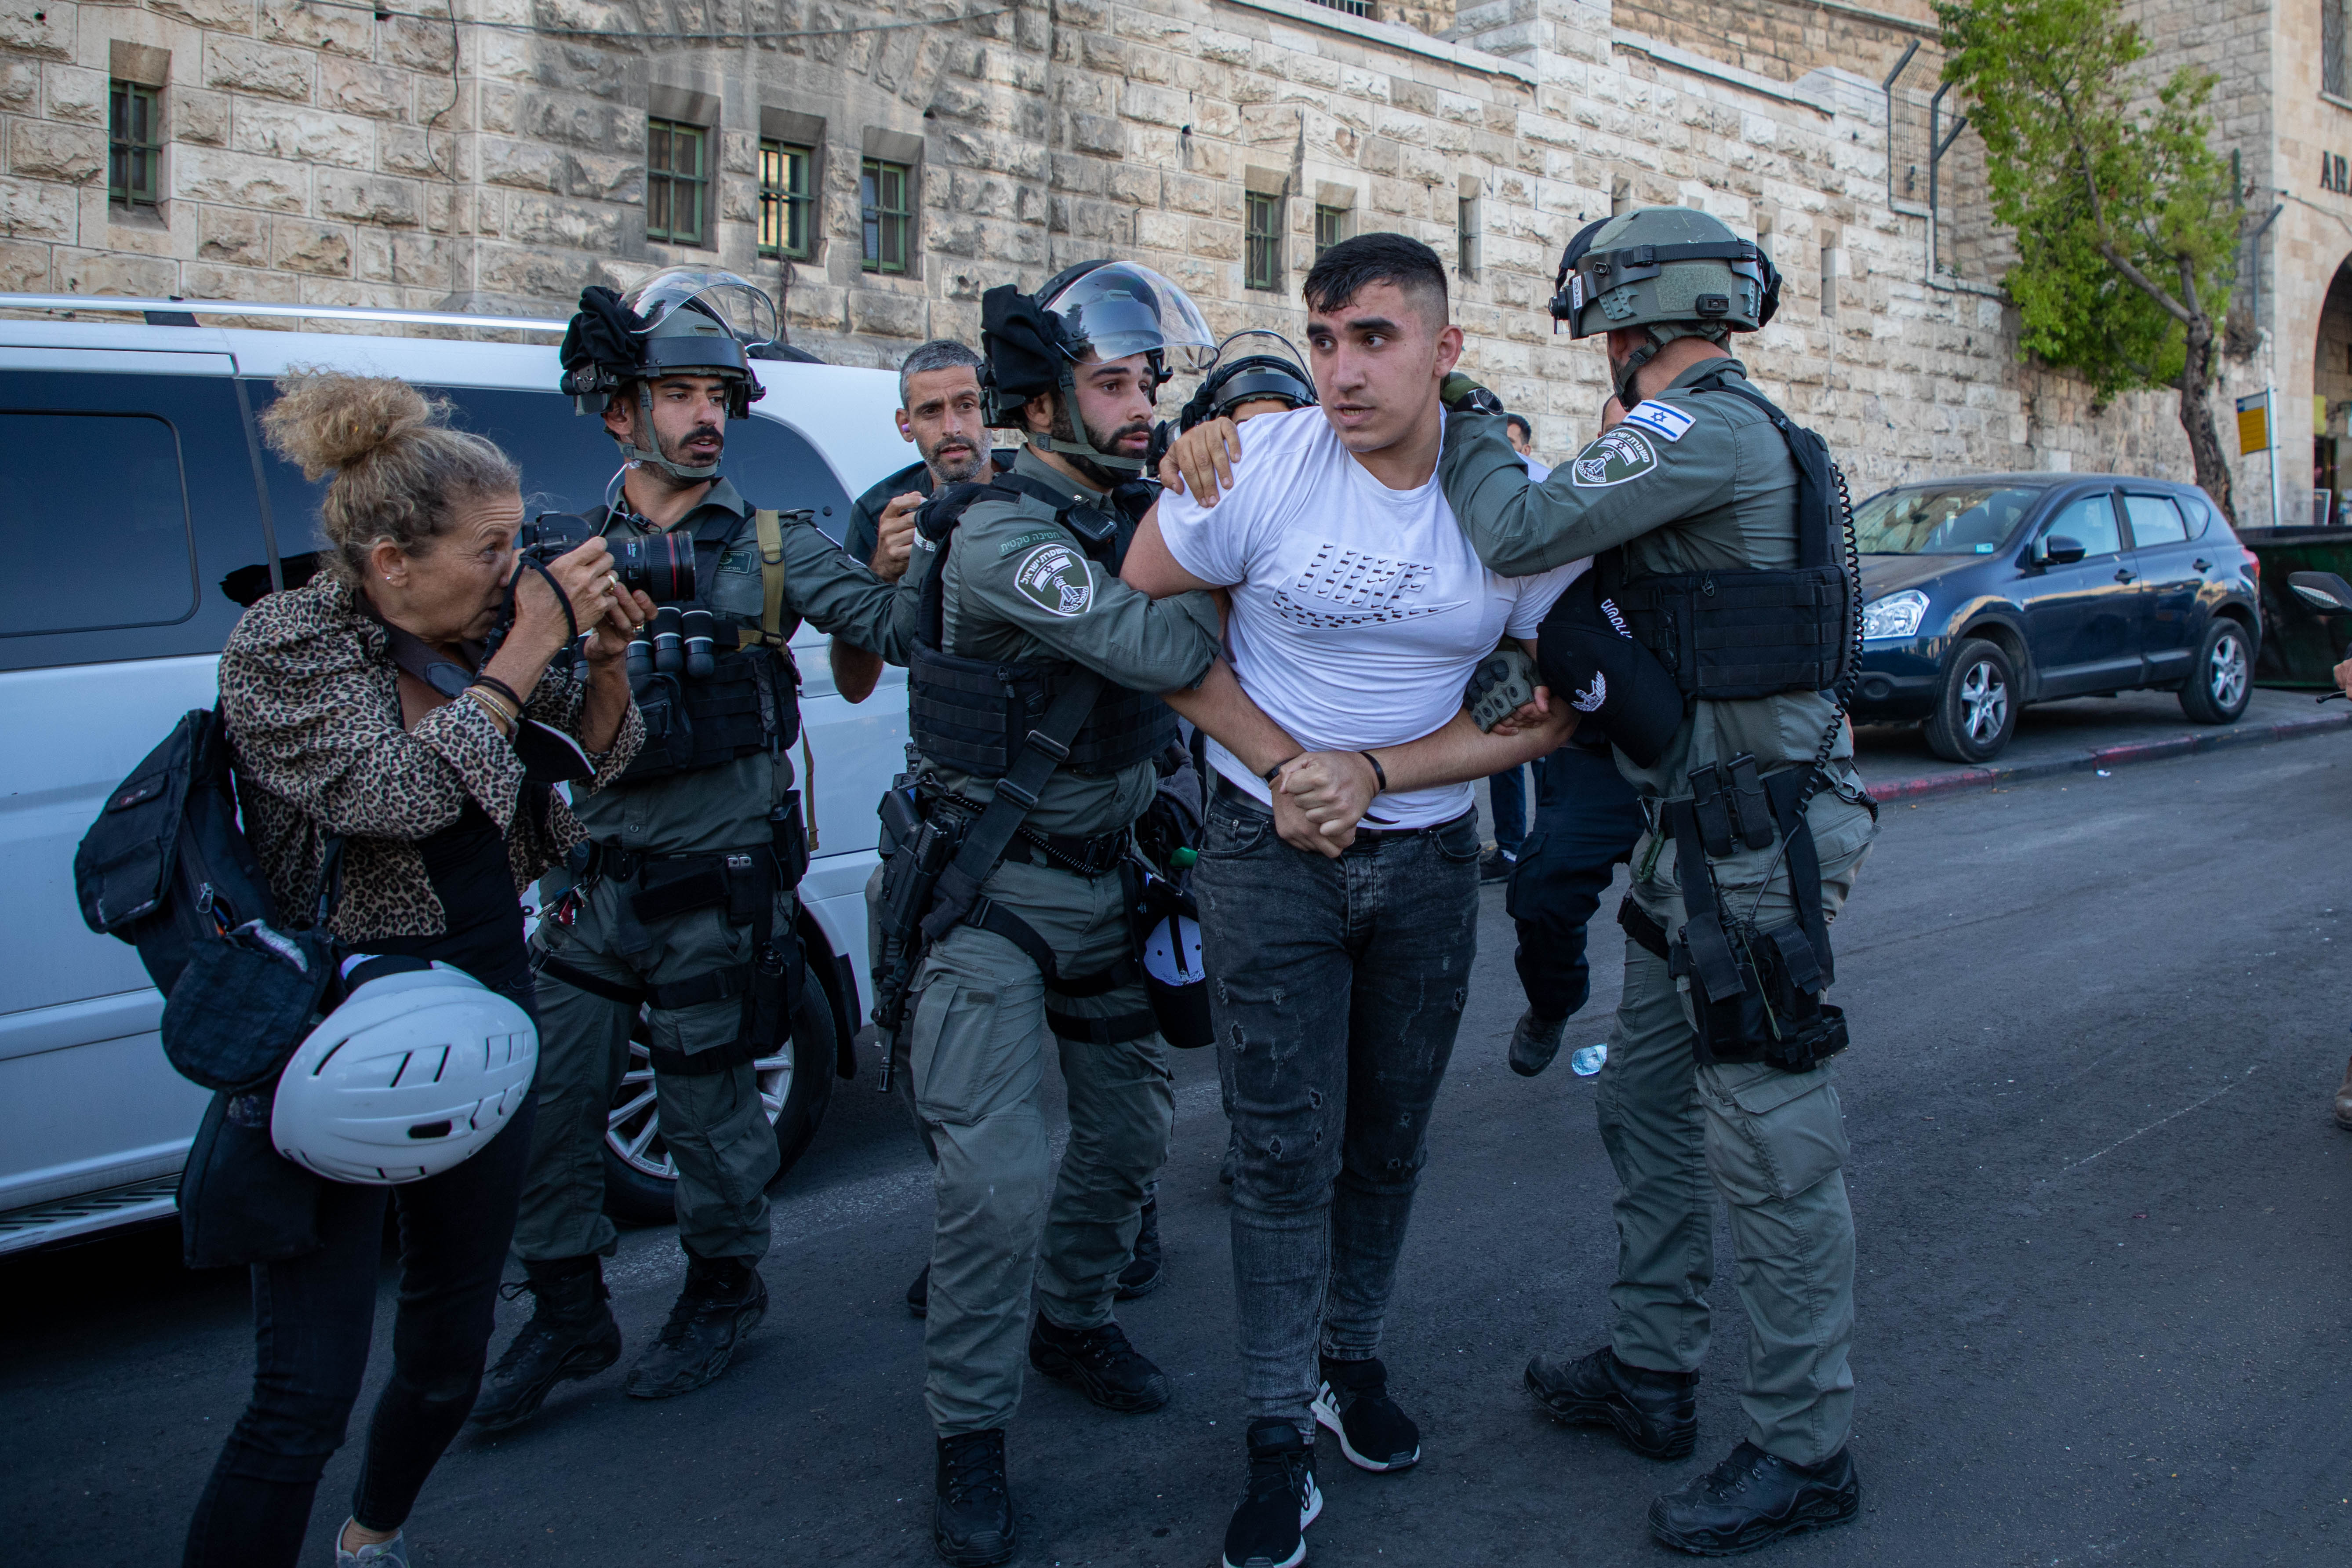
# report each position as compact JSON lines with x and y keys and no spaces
{"x":1055,"y":578}
{"x":1622,"y":453}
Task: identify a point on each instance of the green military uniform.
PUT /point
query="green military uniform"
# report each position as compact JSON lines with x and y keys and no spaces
{"x":1707,"y":484}
{"x":1017,"y":587}
{"x":714,"y":1123}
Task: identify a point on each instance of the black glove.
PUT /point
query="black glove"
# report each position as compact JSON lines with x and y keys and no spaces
{"x":1463,"y":395}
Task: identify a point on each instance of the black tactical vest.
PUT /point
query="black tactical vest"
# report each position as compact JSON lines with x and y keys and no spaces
{"x":749,"y":702}
{"x":1727,"y":635}
{"x":974,"y":714}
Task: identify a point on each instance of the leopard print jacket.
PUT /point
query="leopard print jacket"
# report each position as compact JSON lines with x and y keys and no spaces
{"x":312,"y":700}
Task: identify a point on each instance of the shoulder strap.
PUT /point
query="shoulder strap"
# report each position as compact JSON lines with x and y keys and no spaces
{"x":768,"y":524}
{"x":936,"y":520}
{"x":984,"y":843}
{"x":1811,"y":456}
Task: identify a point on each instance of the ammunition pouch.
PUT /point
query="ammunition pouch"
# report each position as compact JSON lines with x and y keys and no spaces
{"x":749,"y":704}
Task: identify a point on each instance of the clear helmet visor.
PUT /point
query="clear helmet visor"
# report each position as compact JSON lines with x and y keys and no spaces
{"x":1124,"y":308}
{"x":738,"y":305}
{"x":1256,"y":342}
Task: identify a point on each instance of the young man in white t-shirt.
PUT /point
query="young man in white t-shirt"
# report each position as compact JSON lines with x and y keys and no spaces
{"x":1339,"y":872}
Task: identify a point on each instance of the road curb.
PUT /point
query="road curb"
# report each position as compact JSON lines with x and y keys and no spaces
{"x":2108,"y":757}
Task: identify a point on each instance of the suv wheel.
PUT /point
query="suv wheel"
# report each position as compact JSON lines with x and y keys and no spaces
{"x":1977,"y":712}
{"x":795,"y":1086}
{"x":2221,"y":681}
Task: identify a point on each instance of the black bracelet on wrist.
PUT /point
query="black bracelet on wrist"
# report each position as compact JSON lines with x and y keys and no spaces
{"x":500,"y":687}
{"x":1380,"y":773}
{"x":1270,"y":773}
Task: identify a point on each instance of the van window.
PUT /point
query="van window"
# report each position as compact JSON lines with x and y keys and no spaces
{"x":2154,"y":521}
{"x":567,"y":460}
{"x":118,"y":477}
{"x":131,"y":496}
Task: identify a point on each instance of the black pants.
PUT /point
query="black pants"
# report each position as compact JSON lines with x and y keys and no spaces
{"x":312,"y":1320}
{"x":1587,"y":820}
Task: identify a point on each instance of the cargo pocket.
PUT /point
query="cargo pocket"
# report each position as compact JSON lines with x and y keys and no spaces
{"x":1771,"y":1135}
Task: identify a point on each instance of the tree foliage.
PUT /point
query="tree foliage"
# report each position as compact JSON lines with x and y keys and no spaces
{"x":2126,"y":218}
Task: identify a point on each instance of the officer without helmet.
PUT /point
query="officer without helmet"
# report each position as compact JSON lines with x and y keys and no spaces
{"x":1700,"y":500}
{"x":940,"y":412}
{"x":682,"y":901}
{"x":1030,"y":937}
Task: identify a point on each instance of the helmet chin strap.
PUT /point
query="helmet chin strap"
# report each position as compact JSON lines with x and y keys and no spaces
{"x":1082,"y":448}
{"x":633,"y":453}
{"x":1661,"y":334}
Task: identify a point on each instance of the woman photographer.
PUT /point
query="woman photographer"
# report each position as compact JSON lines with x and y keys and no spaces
{"x":439,"y":829}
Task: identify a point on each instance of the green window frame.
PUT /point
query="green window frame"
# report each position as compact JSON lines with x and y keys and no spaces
{"x":1262,"y":241}
{"x":786,"y":202}
{"x":886,"y":215}
{"x":678,"y":181}
{"x":1331,"y":227}
{"x":134,"y":145}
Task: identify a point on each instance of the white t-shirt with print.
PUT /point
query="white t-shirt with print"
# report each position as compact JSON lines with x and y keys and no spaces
{"x":1358,"y":612}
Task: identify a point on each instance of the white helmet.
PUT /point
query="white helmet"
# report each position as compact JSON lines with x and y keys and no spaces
{"x":414,"y":1072}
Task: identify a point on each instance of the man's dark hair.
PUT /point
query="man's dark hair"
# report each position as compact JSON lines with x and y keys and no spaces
{"x":1519,"y":422}
{"x":1352,"y":266}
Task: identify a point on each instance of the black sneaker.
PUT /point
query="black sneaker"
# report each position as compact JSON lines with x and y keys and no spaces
{"x":1534,"y":1041}
{"x":1654,"y":1413}
{"x":918,"y":1294}
{"x":1354,"y":1404}
{"x":1269,"y":1529}
{"x":570,"y":1334}
{"x":1753,"y":1498}
{"x":971,"y":1522}
{"x":1495,"y":866}
{"x":724,"y":1299}
{"x":1100,"y":1363}
{"x":1142,"y":1274}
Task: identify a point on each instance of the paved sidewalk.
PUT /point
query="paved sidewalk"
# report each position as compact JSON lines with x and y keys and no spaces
{"x":2086,"y":733}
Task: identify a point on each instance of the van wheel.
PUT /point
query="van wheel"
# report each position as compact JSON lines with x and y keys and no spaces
{"x":1977,"y":712}
{"x":795,"y":1087}
{"x":2221,"y":681}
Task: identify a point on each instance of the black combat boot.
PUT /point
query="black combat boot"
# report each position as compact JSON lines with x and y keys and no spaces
{"x":918,"y":1294}
{"x":1100,"y":1363}
{"x":1141,"y":1275}
{"x":1655,"y":1412}
{"x":724,"y":1299}
{"x":1753,"y":1498}
{"x":1535,"y":1042}
{"x":971,"y":1523}
{"x":570,"y":1334}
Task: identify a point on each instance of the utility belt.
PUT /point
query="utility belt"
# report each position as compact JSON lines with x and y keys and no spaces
{"x":1756,"y":993}
{"x":744,"y":882}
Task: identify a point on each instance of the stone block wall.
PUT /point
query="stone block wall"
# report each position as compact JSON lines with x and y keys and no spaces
{"x":318,"y":154}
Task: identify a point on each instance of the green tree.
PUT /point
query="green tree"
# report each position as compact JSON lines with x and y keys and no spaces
{"x":2127,"y":219}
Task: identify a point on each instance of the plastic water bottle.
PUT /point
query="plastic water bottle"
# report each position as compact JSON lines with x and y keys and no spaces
{"x":1586,"y":1062}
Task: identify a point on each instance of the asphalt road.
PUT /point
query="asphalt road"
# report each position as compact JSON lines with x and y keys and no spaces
{"x":2104,"y":1218}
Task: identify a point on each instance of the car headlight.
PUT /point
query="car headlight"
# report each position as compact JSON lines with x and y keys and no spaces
{"x":1895,"y":615}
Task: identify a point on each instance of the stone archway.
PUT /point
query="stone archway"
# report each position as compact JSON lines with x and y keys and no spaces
{"x":2331,"y":387}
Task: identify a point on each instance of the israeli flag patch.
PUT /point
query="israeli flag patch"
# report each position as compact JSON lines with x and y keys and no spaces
{"x":1662,"y":420}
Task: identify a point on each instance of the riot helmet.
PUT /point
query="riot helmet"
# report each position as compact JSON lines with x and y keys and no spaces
{"x":680,"y":321}
{"x":1100,"y":310}
{"x":1249,"y":378}
{"x":1678,"y":272}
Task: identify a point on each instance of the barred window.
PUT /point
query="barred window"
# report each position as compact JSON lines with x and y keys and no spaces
{"x":134,"y":145}
{"x":1262,"y":258}
{"x":1465,"y":254}
{"x":676,"y":181}
{"x":1353,"y":7}
{"x":1331,"y":227}
{"x":886,"y":216}
{"x":2331,"y":46}
{"x":785,"y":200}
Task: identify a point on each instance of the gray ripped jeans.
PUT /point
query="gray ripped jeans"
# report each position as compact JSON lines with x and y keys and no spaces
{"x":1335,"y":988}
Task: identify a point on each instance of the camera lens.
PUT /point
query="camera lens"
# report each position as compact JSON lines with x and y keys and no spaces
{"x":639,"y":659}
{"x":669,"y":654}
{"x":698,"y":661}
{"x":660,"y":565}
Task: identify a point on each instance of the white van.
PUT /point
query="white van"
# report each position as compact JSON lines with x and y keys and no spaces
{"x":135,"y":482}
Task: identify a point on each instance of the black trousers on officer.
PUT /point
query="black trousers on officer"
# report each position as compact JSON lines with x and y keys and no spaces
{"x":1587,"y":820}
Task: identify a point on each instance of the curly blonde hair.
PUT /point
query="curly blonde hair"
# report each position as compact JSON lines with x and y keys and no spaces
{"x":399,"y":472}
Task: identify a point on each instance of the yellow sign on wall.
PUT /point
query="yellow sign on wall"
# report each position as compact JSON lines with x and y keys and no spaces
{"x":2253,"y":424}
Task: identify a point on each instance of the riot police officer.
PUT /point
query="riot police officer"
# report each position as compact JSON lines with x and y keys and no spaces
{"x":1705,"y":509}
{"x":1039,"y":734}
{"x":682,"y":900}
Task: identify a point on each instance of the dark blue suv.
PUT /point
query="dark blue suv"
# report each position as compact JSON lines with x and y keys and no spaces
{"x":1984,"y":593}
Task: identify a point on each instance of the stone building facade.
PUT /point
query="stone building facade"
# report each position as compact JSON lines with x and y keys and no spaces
{"x":881,"y":164}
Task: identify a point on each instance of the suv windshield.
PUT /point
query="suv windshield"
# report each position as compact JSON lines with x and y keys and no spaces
{"x":1941,"y":519}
